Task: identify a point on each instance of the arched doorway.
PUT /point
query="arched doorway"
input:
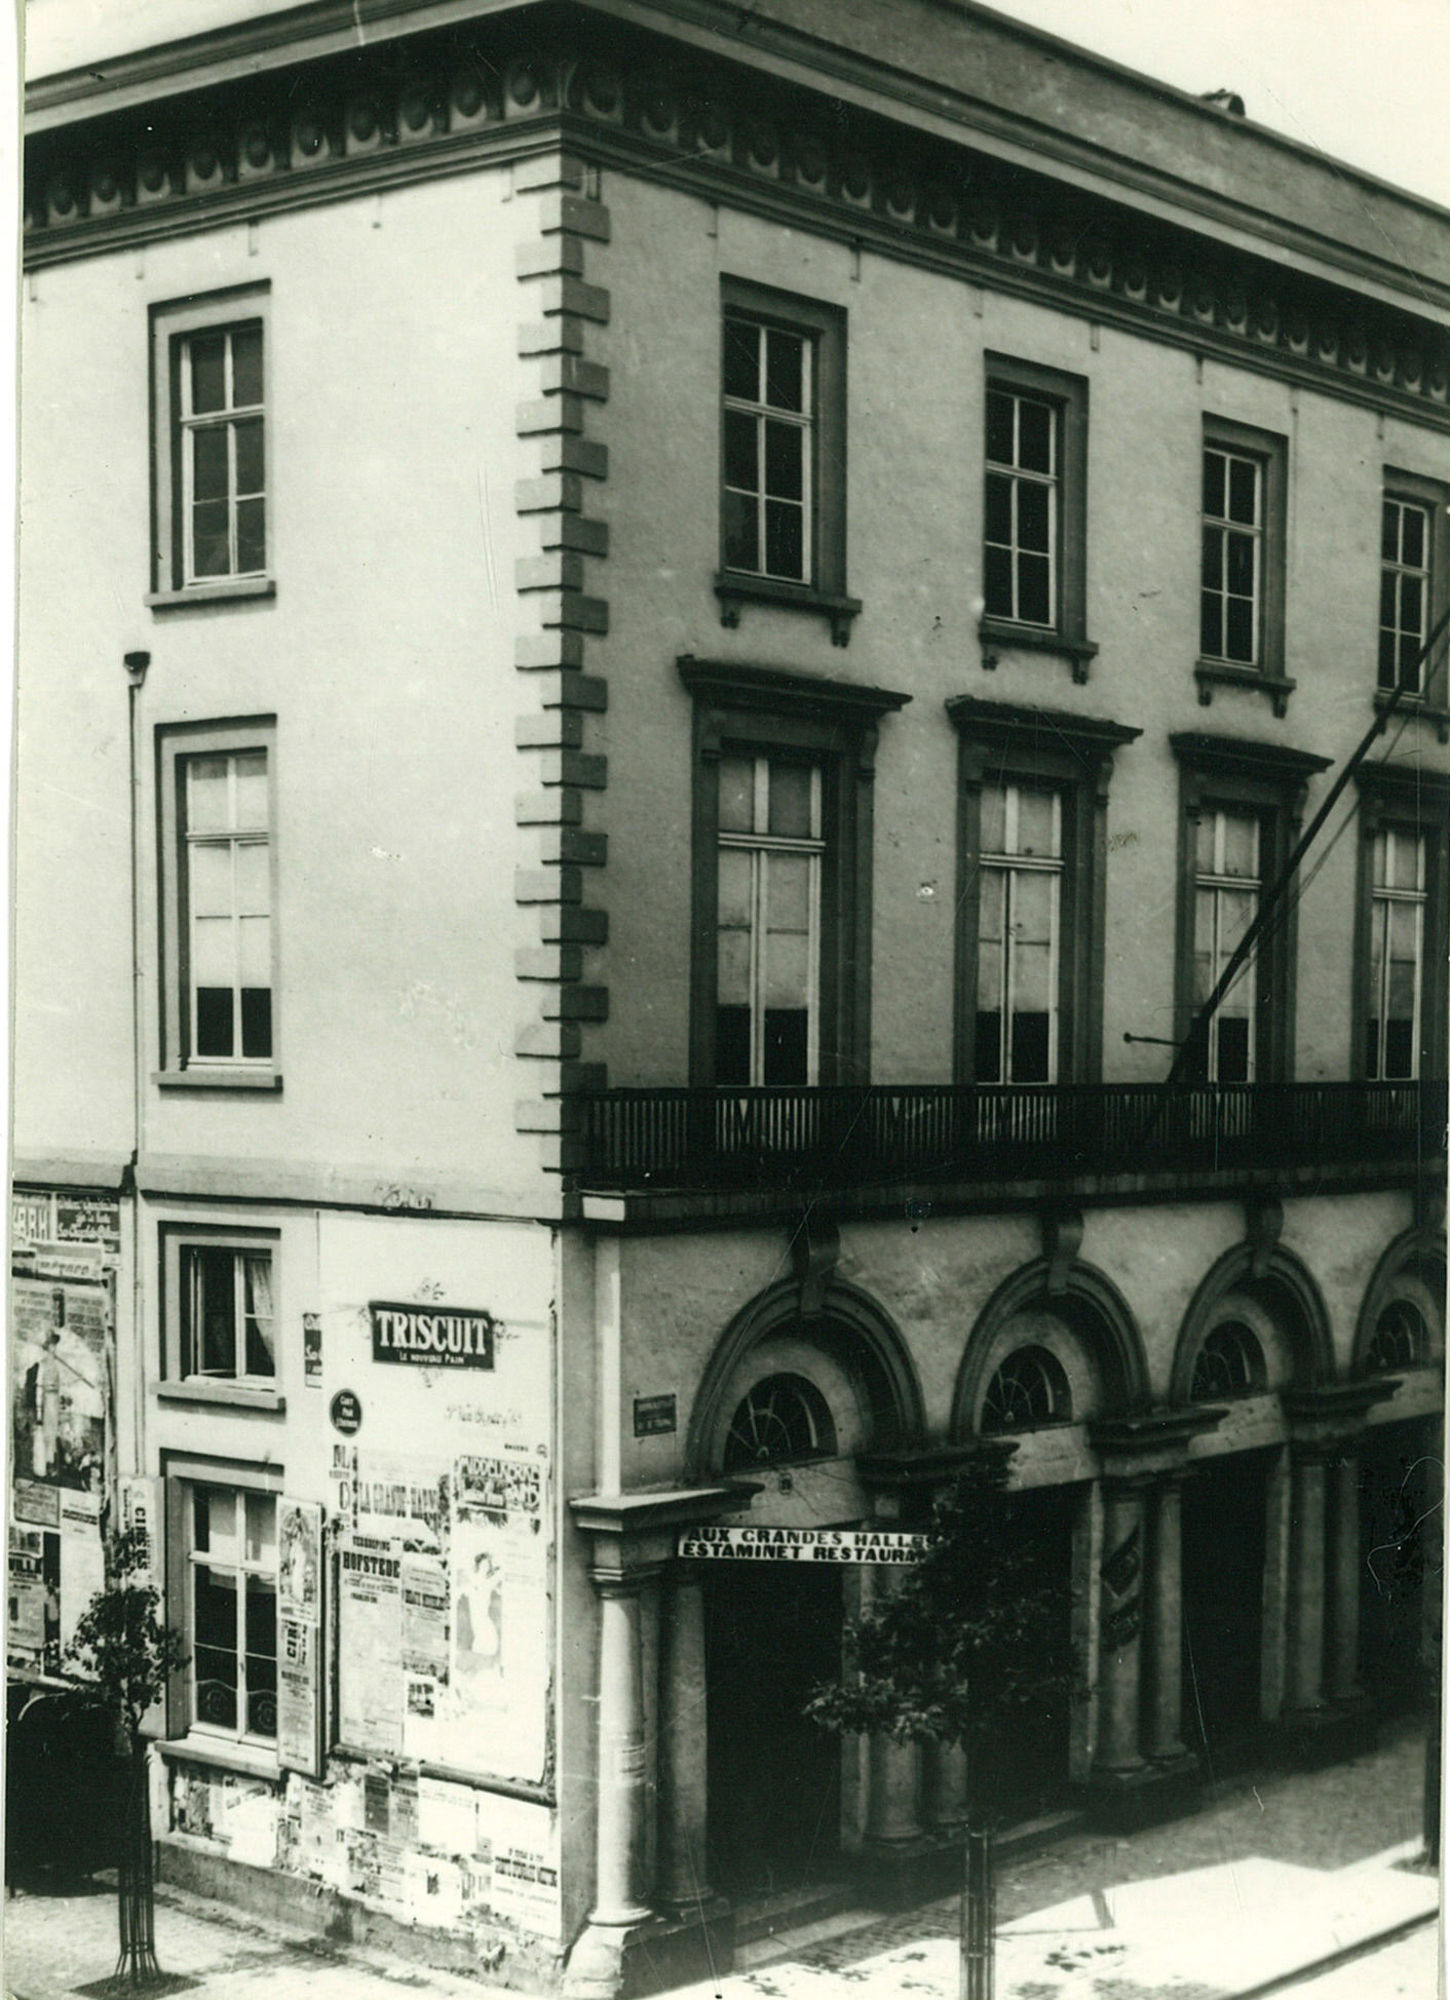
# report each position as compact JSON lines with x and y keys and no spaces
{"x":788,"y":1404}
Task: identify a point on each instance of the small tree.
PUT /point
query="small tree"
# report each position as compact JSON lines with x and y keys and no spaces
{"x":122,"y":1645}
{"x":966,"y":1648}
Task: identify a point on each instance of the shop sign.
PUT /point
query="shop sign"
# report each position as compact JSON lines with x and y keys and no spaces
{"x":346,"y":1412}
{"x":811,"y":1545}
{"x":654,"y":1416}
{"x":457,"y":1337}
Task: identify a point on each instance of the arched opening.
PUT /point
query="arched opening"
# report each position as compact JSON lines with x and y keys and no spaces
{"x":1229,"y":1363}
{"x":1029,"y":1388}
{"x":782,"y":1419}
{"x":1400,"y":1339}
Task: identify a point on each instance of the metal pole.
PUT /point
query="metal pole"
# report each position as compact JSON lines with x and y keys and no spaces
{"x":978,"y":1923}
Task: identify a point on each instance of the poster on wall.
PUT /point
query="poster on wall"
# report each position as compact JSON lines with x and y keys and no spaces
{"x":82,"y":1558}
{"x":59,"y":1370}
{"x":494,"y":1704}
{"x":370,"y":1643}
{"x":299,"y":1637}
{"x":25,"y":1626}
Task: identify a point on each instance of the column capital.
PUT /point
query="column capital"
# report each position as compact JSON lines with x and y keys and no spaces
{"x":636,"y":1531}
{"x":1332,"y":1413}
{"x":1137,"y":1447}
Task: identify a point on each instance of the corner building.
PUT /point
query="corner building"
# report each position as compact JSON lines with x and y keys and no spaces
{"x":662,"y":654}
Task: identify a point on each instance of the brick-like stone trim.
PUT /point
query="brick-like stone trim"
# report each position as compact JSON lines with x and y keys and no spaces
{"x":561,"y":609}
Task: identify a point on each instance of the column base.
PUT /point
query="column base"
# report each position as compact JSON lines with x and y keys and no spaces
{"x":1143,"y":1794}
{"x":661,"y":1951}
{"x":1326,"y":1735}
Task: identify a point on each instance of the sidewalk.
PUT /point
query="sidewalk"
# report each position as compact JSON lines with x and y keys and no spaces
{"x":1265,"y":1882}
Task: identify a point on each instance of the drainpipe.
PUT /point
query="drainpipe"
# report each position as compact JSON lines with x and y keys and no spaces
{"x":136,"y":665}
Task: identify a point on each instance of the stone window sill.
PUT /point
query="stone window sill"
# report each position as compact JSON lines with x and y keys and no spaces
{"x":1222,"y":673}
{"x":226,"y":1395}
{"x":201,"y":1078}
{"x":196,"y":594}
{"x":1416,"y":704}
{"x":223,"y":1751}
{"x":999,"y":635}
{"x":733,"y":590}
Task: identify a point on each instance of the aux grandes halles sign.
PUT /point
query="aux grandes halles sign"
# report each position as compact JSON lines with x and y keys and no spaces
{"x":456,"y":1337}
{"x":804,"y":1545}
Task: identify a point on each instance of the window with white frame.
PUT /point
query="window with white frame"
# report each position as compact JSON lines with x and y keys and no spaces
{"x":769,"y":455}
{"x":227,"y":849}
{"x":1396,"y":954}
{"x":1023,"y":507}
{"x":768,"y":916}
{"x":1405,"y":546}
{"x":1226,"y":900}
{"x":228,"y":1322}
{"x":211,"y":505}
{"x":231,"y":1611}
{"x":1019,"y":920}
{"x":1232,"y":604}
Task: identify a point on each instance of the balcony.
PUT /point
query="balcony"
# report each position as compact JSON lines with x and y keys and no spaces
{"x":687,"y":1152}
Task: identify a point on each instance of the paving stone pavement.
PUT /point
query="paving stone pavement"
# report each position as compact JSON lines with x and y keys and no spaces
{"x":1323,"y":1823}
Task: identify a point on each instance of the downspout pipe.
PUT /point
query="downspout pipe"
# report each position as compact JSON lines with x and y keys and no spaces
{"x":136,"y":665}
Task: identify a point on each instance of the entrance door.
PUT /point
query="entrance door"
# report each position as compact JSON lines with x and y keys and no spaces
{"x":1224,"y":1516}
{"x":1026,"y":1773}
{"x":772,"y":1632}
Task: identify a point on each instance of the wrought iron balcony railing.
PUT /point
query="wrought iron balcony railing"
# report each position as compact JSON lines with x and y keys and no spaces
{"x":852,"y":1136}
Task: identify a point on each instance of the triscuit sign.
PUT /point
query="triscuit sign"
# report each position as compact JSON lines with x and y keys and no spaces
{"x":809,"y":1545}
{"x":425,"y":1337}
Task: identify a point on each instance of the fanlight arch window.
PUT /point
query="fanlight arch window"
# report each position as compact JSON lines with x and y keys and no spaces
{"x":782,"y":1418}
{"x":1401,"y":1339}
{"x":1029,"y":1388}
{"x":1230,"y":1363}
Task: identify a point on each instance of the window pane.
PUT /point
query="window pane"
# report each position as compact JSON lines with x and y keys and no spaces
{"x":208,"y":378}
{"x":788,"y":898}
{"x":787,"y":1047}
{"x":1213,"y":558}
{"x":1243,"y":491}
{"x":737,"y":794}
{"x":997,"y":582}
{"x":1412,"y":537}
{"x":1410,"y":660}
{"x":261,"y":1517}
{"x":734,"y":879}
{"x":251,"y":772}
{"x":1387,"y":659}
{"x":1235,"y":913}
{"x":1031,"y":1048}
{"x":248,"y":436}
{"x":1033,"y":515}
{"x":1034,"y":436}
{"x":741,"y":531}
{"x":988,"y":1051}
{"x":214,"y":1034}
{"x":1233,"y":1050}
{"x":1390,"y":532}
{"x":209,"y":888}
{"x":989,"y":974}
{"x":255,"y":953}
{"x":787,"y":970}
{"x":261,"y":1656}
{"x":1213,"y":484}
{"x":999,"y":427}
{"x":741,"y":461}
{"x":994,"y":822}
{"x":209,"y":475}
{"x":246,"y":367}
{"x":1240,"y":568}
{"x":1239,"y":640}
{"x":1037,"y":822}
{"x":784,"y":539}
{"x":1034,"y":905}
{"x":217,"y":1510}
{"x":732,"y":1046}
{"x":784,"y":460}
{"x":210,"y":548}
{"x":1240,"y":845}
{"x":784,"y":370}
{"x":1033,"y":596}
{"x":999,"y":508}
{"x":790,"y":800}
{"x":206,"y":792}
{"x":742,"y":359}
{"x":1412,"y":605}
{"x":212,"y":949}
{"x":251,"y":537}
{"x":256,"y":1021}
{"x":732,"y":968}
{"x":253,"y":879}
{"x":213,"y":1308}
{"x":1399,"y":1049}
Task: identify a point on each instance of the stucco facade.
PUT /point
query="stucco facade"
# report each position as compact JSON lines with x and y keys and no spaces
{"x":445,"y":1260}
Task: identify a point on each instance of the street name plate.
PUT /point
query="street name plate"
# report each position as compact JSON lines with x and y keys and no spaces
{"x":809,"y":1545}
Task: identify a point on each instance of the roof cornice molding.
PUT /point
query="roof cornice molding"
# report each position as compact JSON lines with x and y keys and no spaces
{"x":383,"y":115}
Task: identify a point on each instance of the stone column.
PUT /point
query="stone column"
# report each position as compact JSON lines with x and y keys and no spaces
{"x":1165,"y":1621}
{"x":682,"y":1748}
{"x":619,"y":1864}
{"x":1120,"y":1625}
{"x":1344,"y":1624}
{"x":1305,"y":1678}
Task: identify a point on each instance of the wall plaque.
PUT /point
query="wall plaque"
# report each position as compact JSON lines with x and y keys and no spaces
{"x":654,"y":1416}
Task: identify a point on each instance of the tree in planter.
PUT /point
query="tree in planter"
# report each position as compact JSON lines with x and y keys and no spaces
{"x":128,"y":1654}
{"x":967,"y":1649}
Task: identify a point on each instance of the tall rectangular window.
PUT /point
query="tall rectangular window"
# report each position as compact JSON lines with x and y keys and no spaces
{"x":227,"y":892}
{"x":1226,"y":898}
{"x":1233,"y":556}
{"x":1023,"y":507}
{"x":228,"y":1320}
{"x":768,"y":920}
{"x":210,"y":456}
{"x":1019,"y":915}
{"x":769,"y":457}
{"x":1396,"y":954}
{"x":1405,"y":573}
{"x":232,"y":1612}
{"x":220,"y":439}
